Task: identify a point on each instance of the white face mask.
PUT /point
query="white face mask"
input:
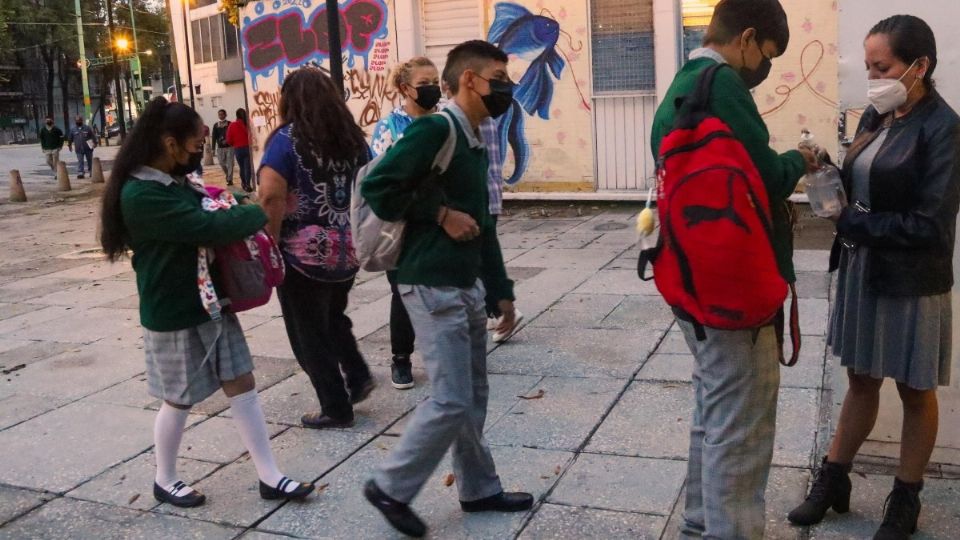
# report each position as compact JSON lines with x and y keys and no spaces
{"x":888,"y":94}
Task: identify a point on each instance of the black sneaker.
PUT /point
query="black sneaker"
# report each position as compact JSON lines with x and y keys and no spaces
{"x":401,"y":375}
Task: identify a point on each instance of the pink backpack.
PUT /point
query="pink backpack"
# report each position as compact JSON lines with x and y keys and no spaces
{"x":249,"y":268}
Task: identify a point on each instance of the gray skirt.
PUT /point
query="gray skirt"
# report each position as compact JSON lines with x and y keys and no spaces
{"x":906,"y":338}
{"x":187,"y":366}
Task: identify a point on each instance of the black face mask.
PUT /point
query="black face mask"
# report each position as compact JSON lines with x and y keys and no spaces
{"x":196,"y":158}
{"x":753,"y":77}
{"x":79,"y":124}
{"x":428,"y":96}
{"x":49,"y":124}
{"x":499,"y":99}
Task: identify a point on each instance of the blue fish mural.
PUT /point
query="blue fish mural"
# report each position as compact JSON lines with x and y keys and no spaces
{"x":533,"y":38}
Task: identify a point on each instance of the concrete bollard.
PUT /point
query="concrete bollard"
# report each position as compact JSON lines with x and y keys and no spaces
{"x":17,"y":194}
{"x":63,"y":179}
{"x":96,"y":172}
{"x":207,"y":155}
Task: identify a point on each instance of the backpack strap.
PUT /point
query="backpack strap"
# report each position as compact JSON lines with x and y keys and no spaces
{"x":442,"y":161}
{"x":778,"y":326}
{"x":694,"y":107}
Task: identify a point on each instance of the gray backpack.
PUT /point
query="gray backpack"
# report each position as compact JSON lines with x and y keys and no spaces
{"x":378,"y":243}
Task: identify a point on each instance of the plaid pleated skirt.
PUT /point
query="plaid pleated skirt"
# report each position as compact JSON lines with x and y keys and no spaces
{"x":187,"y":366}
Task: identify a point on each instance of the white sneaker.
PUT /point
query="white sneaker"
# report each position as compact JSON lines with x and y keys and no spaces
{"x":500,"y":337}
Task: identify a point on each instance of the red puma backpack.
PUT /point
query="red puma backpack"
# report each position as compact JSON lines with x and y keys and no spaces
{"x":714,"y":260}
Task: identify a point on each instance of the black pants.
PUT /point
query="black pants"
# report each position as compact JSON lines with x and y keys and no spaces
{"x":402,"y":336}
{"x":321,"y":336}
{"x":242,"y":156}
{"x":401,"y":330}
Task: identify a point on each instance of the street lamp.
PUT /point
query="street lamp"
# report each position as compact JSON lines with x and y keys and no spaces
{"x":123,"y":45}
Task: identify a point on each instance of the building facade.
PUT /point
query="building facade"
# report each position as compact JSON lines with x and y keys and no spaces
{"x":207,"y":43}
{"x":590,"y":72}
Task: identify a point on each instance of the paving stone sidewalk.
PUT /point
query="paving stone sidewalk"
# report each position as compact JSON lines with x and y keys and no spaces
{"x":589,"y":408}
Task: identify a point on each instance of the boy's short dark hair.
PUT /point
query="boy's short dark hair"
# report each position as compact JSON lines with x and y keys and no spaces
{"x":732,"y":17}
{"x":469,"y":55}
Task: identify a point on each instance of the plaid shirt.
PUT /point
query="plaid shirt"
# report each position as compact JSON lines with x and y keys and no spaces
{"x":491,"y":141}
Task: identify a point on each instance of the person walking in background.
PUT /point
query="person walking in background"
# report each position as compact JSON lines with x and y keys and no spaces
{"x":418,"y":81}
{"x":449,"y":243}
{"x":736,"y":375}
{"x":894,"y":249}
{"x":491,"y":141}
{"x":82,"y":140}
{"x":51,"y":141}
{"x":150,"y":207}
{"x":223,"y":149}
{"x":238,"y":138}
{"x":306,"y":174}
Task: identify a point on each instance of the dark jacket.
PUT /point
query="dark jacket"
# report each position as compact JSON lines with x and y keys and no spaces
{"x":220,"y":134}
{"x":914,"y":197}
{"x":50,"y":139}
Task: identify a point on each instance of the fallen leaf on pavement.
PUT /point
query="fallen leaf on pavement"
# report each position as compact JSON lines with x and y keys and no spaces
{"x":448,"y":480}
{"x":134,"y":498}
{"x":540,"y":393}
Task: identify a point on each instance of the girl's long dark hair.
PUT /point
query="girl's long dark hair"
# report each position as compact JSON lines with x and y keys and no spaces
{"x":142,"y":146}
{"x":242,"y":115}
{"x":320,"y":117}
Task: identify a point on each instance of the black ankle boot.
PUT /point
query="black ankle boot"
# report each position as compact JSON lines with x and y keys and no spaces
{"x":900,"y":512}
{"x":830,"y":489}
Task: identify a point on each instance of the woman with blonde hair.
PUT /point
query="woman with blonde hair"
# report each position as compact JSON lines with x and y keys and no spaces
{"x":417,"y":81}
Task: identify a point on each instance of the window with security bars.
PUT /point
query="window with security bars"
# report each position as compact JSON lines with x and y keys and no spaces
{"x":622,"y":39}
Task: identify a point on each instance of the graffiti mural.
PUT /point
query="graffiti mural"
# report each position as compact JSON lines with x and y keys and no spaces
{"x":284,"y":35}
{"x":535,"y":40}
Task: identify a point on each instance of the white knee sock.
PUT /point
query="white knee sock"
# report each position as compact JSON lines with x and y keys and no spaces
{"x":248,"y":415}
{"x":167,"y":433}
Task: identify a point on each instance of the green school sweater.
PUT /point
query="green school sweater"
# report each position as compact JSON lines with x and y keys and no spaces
{"x":731,"y":101}
{"x":166,"y":225}
{"x":430,"y":257}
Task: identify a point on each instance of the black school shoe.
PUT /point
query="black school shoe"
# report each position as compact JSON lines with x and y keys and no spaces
{"x":501,"y":502}
{"x":318,"y":420}
{"x":279,"y":492}
{"x":363,"y":391}
{"x":399,"y":515}
{"x":190,"y":500}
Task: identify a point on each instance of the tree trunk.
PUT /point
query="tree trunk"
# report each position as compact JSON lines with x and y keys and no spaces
{"x":63,"y":73}
{"x":47,"y":55}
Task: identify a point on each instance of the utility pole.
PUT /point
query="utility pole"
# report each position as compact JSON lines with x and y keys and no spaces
{"x":135,"y":69}
{"x":87,"y":113}
{"x":336,"y":48}
{"x":186,"y":46}
{"x":118,"y":97}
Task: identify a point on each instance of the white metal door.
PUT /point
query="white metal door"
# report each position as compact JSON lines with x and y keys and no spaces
{"x":622,"y":126}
